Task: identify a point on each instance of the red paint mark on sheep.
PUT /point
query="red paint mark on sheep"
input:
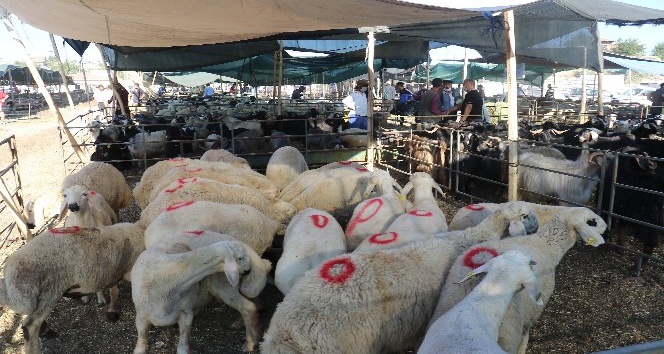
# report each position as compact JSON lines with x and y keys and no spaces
{"x":383,"y":239}
{"x":176,"y":159}
{"x":187,"y":180}
{"x":195,"y":232}
{"x":320,"y":221}
{"x":362,"y":169}
{"x":474,"y":207}
{"x":92,"y":193}
{"x":172,"y":190}
{"x":376,"y":203}
{"x":65,"y":230}
{"x":468,"y":259}
{"x":192,"y":169}
{"x":337,"y":271}
{"x":421,"y":213}
{"x":345,"y":163}
{"x":180,"y":205}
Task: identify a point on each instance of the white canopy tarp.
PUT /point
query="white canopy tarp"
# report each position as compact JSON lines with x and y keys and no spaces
{"x":158,"y":23}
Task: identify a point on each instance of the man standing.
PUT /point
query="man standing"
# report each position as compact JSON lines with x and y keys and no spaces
{"x":297,"y":93}
{"x":657,"y":99}
{"x":388,"y":95}
{"x":209,"y":91}
{"x":405,"y":99}
{"x":430,"y":103}
{"x":447,"y":95}
{"x":137,"y":95}
{"x":471,"y":108}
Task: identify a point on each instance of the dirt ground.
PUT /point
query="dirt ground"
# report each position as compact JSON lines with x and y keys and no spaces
{"x":597,"y":304}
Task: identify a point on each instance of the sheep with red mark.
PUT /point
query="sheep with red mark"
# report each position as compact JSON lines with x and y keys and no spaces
{"x":548,"y":246}
{"x":194,"y":188}
{"x":69,"y":262}
{"x":307,"y":178}
{"x":471,"y":215}
{"x":471,"y":326}
{"x":104,"y":179}
{"x":154,"y":304}
{"x":243,"y":222}
{"x":374,"y":215}
{"x":312,"y":237}
{"x":221,"y":155}
{"x":425,"y":217}
{"x":285,"y":164}
{"x":365,"y":302}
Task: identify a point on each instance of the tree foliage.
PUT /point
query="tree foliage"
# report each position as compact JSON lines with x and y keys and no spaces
{"x":658,"y":51}
{"x":630,"y":47}
{"x":71,"y":66}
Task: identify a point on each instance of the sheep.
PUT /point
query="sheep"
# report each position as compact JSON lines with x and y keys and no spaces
{"x":312,"y":237}
{"x":548,"y":246}
{"x":87,"y":208}
{"x":221,"y":155}
{"x":568,"y":189}
{"x":104,"y":179}
{"x":425,"y":154}
{"x":168,"y":287}
{"x":354,"y":137}
{"x":35,"y":213}
{"x":247,"y":143}
{"x":206,"y":189}
{"x":336,"y":191}
{"x":285,"y":164}
{"x":502,"y":223}
{"x":425,"y":217}
{"x":68,"y":262}
{"x":374,"y":215}
{"x":243,"y":222}
{"x":148,"y":144}
{"x":471,"y":326}
{"x":385,"y":289}
{"x":317,"y":138}
{"x":473,"y":214}
{"x":278,"y":140}
{"x":306,"y":178}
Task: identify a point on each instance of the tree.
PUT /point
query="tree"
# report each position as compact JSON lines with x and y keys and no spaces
{"x":71,"y":66}
{"x":658,"y":51}
{"x":630,"y":47}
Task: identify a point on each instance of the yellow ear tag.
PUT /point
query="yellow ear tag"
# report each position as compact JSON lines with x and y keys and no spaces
{"x":402,"y":197}
{"x":470,"y":274}
{"x":591,"y":241}
{"x":366,"y":195}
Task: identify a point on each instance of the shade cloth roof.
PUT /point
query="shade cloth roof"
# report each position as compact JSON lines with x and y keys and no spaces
{"x":643,"y":65}
{"x":155,"y":23}
{"x":21,"y":75}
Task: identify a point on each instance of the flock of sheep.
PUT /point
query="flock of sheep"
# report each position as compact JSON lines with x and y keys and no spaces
{"x":356,"y":245}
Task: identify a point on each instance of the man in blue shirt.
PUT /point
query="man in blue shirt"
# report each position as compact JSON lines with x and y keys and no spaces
{"x":447,"y":95}
{"x":405,"y":99}
{"x":209,"y":91}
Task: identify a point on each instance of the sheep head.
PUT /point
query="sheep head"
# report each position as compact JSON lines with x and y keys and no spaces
{"x":588,"y":225}
{"x":421,"y":180}
{"x":253,"y":282}
{"x":522,"y":220}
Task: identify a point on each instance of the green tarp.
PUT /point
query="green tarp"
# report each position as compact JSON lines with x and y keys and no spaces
{"x":20,"y":75}
{"x":494,"y":72}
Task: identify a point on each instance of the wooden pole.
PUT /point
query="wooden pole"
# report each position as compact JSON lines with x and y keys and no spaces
{"x":584,"y":98}
{"x":512,"y":119}
{"x":61,"y":68}
{"x":600,"y":94}
{"x":280,"y":76}
{"x":428,"y":69}
{"x":118,"y":99}
{"x":47,"y":95}
{"x":370,"y":128}
{"x":85,"y":81}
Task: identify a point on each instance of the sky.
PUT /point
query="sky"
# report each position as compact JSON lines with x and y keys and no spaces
{"x":38,"y":43}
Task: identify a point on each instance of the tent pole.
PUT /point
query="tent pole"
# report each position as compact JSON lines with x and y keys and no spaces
{"x":428,"y":68}
{"x":274,"y":74}
{"x":370,"y":128}
{"x":600,"y":96}
{"x":85,"y":82}
{"x":465,"y":63}
{"x":47,"y":95}
{"x":280,"y":76}
{"x":118,"y":99}
{"x":153,"y":78}
{"x":11,"y":86}
{"x":512,"y":124}
{"x":61,"y":68}
{"x":582,"y":112}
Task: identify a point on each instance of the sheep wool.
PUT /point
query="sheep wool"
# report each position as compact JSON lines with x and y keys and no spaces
{"x":221,"y":155}
{"x":471,"y":215}
{"x":105,"y":180}
{"x":285,"y":164}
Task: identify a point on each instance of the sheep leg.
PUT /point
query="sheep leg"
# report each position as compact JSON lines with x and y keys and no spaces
{"x":524,"y":343}
{"x":31,"y":327}
{"x":184,"y":322}
{"x":142,"y":326}
{"x":249,"y":314}
{"x":101,"y":298}
{"x":112,"y":311}
{"x":46,"y":332}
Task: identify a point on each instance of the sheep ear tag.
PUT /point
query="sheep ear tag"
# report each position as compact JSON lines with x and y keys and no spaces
{"x":232,"y":272}
{"x":473,"y":273}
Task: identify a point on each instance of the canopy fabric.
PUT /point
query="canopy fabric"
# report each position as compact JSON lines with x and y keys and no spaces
{"x":642,"y":65}
{"x":534,"y":75}
{"x":191,"y":78}
{"x":155,"y":23}
{"x":21,"y":75}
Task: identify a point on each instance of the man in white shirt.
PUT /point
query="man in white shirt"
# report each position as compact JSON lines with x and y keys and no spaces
{"x":389,"y":92}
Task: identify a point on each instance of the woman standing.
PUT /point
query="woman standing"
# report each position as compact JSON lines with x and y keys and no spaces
{"x":357,"y":101}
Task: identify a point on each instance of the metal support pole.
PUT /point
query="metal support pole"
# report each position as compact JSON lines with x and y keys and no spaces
{"x":512,"y":119}
{"x":61,"y":68}
{"x":280,"y":77}
{"x":370,"y":128}
{"x":582,"y":112}
{"x":600,"y":95}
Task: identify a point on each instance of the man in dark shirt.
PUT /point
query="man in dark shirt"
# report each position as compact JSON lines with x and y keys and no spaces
{"x":471,"y":108}
{"x":657,"y":99}
{"x":297,"y":93}
{"x":405,"y":99}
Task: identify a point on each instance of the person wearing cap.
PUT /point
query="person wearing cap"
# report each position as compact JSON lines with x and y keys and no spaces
{"x":430,"y":103}
{"x":357,"y":102}
{"x":657,"y":99}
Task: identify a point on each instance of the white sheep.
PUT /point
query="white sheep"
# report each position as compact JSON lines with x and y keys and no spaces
{"x":168,"y":287}
{"x":87,"y":208}
{"x":68,"y":262}
{"x":375,"y":215}
{"x":471,"y":326}
{"x":285,"y":164}
{"x":425,"y":217}
{"x":194,"y":188}
{"x":336,"y":191}
{"x":548,"y":246}
{"x":473,"y":214}
{"x":312,"y":237}
{"x":306,"y":178}
{"x":392,"y":292}
{"x":104,"y":179}
{"x":221,"y":155}
{"x":495,"y":226}
{"x":148,"y":144}
{"x":243,"y":222}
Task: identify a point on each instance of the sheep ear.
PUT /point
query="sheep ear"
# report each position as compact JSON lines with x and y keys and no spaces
{"x":96,"y":204}
{"x":396,"y":186}
{"x":268,"y":265}
{"x":406,"y":189}
{"x":63,"y":210}
{"x":646,"y":164}
{"x":437,"y":187}
{"x":534,"y":292}
{"x":481,"y":269}
{"x":370,"y":188}
{"x":231,"y":271}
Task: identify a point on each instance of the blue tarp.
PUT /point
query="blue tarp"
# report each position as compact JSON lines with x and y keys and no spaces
{"x":642,"y":65}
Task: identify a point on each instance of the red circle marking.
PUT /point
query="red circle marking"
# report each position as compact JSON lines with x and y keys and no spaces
{"x":474,"y":207}
{"x":468,"y":260}
{"x":362,"y":169}
{"x":195,"y":232}
{"x":383,"y":239}
{"x":180,"y":205}
{"x":421,"y":213}
{"x":171,"y":190}
{"x":320,"y":221}
{"x":65,"y":230}
{"x":187,"y":180}
{"x":360,"y":218}
{"x":92,"y":193}
{"x":346,"y":163}
{"x":193,"y":169}
{"x":337,"y":271}
{"x":176,"y":159}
